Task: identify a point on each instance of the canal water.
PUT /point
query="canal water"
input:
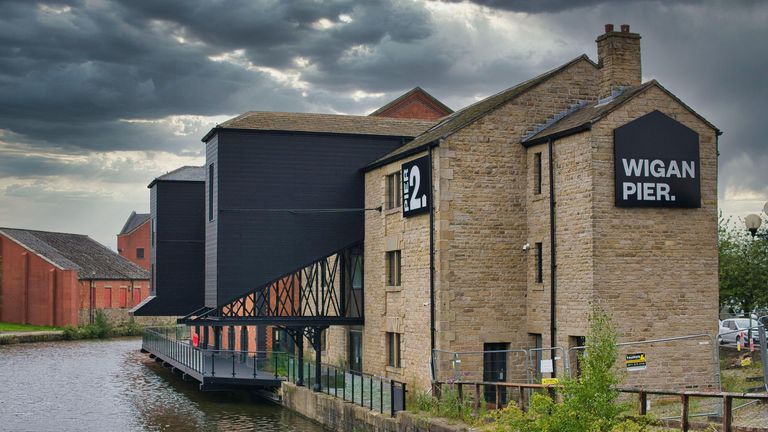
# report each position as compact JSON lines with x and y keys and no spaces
{"x":110,"y":386}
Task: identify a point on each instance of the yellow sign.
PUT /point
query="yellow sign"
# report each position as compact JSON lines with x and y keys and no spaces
{"x":549,"y":381}
{"x":636,"y":362}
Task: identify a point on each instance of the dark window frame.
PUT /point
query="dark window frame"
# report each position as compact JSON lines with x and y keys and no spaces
{"x":139,"y":253}
{"x":394,"y":350}
{"x":211,"y":172}
{"x":393,"y":191}
{"x":539,"y":257}
{"x":537,"y":173}
{"x":394,"y":267}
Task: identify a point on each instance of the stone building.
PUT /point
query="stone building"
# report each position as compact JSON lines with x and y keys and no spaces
{"x":485,"y":235}
{"x":501,"y":215}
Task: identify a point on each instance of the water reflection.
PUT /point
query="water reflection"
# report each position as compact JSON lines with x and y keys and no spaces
{"x":110,"y":386}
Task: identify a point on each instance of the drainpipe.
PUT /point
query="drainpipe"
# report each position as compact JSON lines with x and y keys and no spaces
{"x":431,"y":266}
{"x":553,"y":256}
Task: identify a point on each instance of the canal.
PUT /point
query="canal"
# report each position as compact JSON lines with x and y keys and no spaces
{"x":110,"y":386}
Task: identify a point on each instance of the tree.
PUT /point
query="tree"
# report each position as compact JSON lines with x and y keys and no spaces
{"x":743,"y":267}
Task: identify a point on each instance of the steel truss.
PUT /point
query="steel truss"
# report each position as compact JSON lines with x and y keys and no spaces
{"x":326,"y":292}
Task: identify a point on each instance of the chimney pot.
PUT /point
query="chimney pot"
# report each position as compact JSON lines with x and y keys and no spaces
{"x":608,"y":28}
{"x":625,"y":28}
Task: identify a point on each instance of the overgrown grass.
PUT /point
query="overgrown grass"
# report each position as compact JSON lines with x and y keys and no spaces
{"x":588,"y":403}
{"x":448,"y":406}
{"x":102,"y":329}
{"x":13,"y":327}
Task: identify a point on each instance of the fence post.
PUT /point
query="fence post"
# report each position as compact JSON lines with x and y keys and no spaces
{"x":523,"y":397}
{"x":642,"y":398}
{"x":727,"y":413}
{"x":233,"y":363}
{"x":391,"y":398}
{"x":476,"y":406}
{"x":498,"y":397}
{"x":460,"y":389}
{"x":273,"y":355}
{"x":684,"y":425}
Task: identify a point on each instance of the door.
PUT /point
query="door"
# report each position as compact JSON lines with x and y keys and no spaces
{"x":356,"y":350}
{"x":495,"y":370}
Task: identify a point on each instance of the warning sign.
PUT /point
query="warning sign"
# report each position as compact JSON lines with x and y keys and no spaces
{"x":635,"y":362}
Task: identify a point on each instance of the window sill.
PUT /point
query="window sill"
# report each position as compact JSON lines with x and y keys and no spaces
{"x":393,"y":210}
{"x":396,"y":370}
{"x":393,"y":288}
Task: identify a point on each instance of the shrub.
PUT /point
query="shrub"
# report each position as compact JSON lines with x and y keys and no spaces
{"x":589,"y":402}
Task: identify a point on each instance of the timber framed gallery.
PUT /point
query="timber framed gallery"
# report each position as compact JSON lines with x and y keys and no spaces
{"x":479,"y":238}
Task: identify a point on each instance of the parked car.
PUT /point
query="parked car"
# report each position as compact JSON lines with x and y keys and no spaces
{"x":736,"y":330}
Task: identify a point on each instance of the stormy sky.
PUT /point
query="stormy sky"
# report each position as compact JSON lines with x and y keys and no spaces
{"x":98,"y":97}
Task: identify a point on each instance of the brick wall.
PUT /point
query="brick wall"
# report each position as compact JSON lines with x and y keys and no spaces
{"x":138,"y":238}
{"x":34,"y":291}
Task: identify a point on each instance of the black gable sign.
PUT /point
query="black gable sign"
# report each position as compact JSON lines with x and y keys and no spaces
{"x":657,"y":163}
{"x":416,"y":176}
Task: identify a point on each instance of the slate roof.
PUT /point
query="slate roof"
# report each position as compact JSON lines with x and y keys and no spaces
{"x":324,"y":123}
{"x":90,"y":258}
{"x":185,"y":173}
{"x":408,"y":94}
{"x":134,"y":221}
{"x":584,"y":117}
{"x":461,"y":118}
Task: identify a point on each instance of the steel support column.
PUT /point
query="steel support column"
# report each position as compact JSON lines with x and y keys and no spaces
{"x":300,"y":356}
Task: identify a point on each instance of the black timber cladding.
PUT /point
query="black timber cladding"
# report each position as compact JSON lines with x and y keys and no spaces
{"x":178,"y":253}
{"x":282,"y":201}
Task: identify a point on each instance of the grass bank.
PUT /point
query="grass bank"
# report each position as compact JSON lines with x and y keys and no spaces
{"x":14,"y":327}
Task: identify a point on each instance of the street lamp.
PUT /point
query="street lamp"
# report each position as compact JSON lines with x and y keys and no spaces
{"x":753,"y":222}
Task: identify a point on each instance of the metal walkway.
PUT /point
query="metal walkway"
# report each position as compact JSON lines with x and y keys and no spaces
{"x":213,"y":369}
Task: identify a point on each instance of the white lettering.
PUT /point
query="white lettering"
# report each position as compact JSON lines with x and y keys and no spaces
{"x":657,"y":168}
{"x":629,"y":189}
{"x":689,"y":169}
{"x":673,"y":169}
{"x":631,"y":167}
{"x":662,"y":192}
{"x":648,"y":190}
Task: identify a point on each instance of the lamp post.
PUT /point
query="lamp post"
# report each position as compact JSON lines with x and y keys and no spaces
{"x":753,"y":222}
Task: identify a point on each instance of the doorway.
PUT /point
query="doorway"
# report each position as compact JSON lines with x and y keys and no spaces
{"x":355,"y":350}
{"x":495,"y":370}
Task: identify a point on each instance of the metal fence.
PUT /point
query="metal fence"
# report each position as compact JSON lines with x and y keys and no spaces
{"x":370,"y":391}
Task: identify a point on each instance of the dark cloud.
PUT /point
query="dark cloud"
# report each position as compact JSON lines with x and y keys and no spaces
{"x":72,"y":72}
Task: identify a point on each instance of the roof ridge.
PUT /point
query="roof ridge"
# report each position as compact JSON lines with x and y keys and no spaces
{"x":43,"y":231}
{"x":404,"y":96}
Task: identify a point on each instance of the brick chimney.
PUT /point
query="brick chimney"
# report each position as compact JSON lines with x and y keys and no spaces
{"x":618,"y":54}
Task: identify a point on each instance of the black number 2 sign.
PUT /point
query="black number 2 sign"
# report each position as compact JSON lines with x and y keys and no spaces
{"x":416,"y":186}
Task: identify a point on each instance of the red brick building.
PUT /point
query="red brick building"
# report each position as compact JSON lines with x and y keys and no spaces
{"x":59,"y":279}
{"x":133,"y":240}
{"x":415,"y":104}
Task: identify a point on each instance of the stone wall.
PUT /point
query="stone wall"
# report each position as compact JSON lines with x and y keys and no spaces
{"x":343,"y":416}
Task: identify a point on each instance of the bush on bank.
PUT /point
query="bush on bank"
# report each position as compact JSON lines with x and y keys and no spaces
{"x":588,"y":403}
{"x":102,"y":329}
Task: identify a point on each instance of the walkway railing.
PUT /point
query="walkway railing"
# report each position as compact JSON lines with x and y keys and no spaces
{"x":376,"y":393}
{"x":171,"y":342}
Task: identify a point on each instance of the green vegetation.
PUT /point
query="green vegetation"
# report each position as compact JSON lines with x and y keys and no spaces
{"x":743,"y":267}
{"x":102,"y":329}
{"x":448,"y":406}
{"x":13,"y":327}
{"x":588,"y":403}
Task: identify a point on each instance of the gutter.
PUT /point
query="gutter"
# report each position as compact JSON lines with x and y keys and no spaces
{"x":431,"y":266}
{"x":553,"y":254}
{"x":557,"y":135}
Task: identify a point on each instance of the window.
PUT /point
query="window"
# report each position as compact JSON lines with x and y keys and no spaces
{"x":393,"y":349}
{"x":539,"y":264}
{"x":107,"y":297}
{"x":537,"y":173}
{"x":210,"y":192}
{"x":576,"y":341}
{"x":394,"y":196}
{"x":324,"y":340}
{"x":357,"y":271}
{"x":140,"y":252}
{"x":537,"y":345}
{"x":393,"y":268}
